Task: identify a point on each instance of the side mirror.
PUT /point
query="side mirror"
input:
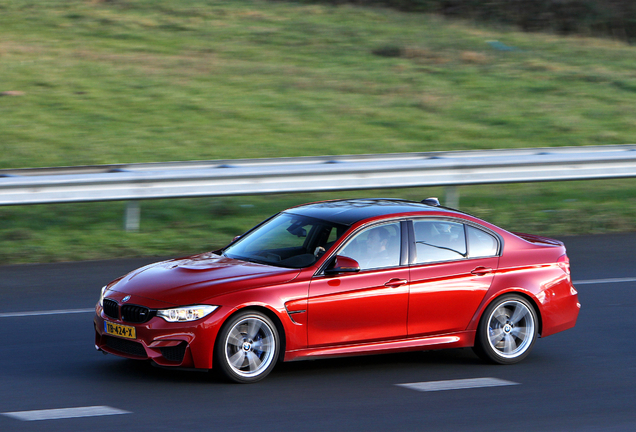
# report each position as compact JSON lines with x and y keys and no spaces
{"x":343,"y":264}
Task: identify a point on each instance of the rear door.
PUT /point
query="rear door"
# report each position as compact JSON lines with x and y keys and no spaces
{"x":452,"y":267}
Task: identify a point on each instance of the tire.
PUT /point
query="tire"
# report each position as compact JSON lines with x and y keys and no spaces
{"x":507,"y":330}
{"x":247,"y":347}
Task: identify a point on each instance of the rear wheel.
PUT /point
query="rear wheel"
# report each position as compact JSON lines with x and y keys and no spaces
{"x":507,"y":330}
{"x":247,"y":347}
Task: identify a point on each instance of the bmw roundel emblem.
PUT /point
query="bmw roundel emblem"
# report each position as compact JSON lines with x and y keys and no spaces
{"x":125,"y":299}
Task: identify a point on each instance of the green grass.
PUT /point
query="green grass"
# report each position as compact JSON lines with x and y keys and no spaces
{"x":125,"y":81}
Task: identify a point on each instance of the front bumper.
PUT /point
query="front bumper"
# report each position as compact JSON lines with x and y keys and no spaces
{"x":183,"y":344}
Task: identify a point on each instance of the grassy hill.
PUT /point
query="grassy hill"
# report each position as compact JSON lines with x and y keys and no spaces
{"x":117,"y":81}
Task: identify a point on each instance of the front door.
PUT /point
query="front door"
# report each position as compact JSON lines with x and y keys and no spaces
{"x":351,"y":308}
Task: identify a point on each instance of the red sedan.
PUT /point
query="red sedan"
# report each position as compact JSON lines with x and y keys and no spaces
{"x":338,"y":278}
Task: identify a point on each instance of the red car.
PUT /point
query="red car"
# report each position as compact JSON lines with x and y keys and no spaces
{"x":338,"y":278}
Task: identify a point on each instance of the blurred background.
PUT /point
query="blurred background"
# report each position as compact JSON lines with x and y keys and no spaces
{"x":87,"y":82}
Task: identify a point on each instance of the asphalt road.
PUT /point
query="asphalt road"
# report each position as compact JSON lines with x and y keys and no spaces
{"x":583,"y":379}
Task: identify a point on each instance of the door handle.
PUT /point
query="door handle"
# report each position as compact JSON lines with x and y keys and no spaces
{"x":481,"y":271}
{"x":395,"y":283}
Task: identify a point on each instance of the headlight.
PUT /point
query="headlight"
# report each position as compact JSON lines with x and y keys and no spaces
{"x":186,"y":313}
{"x":101,"y":297}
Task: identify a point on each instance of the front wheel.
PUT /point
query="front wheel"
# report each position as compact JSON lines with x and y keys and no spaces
{"x":507,"y":330}
{"x":247,"y":347}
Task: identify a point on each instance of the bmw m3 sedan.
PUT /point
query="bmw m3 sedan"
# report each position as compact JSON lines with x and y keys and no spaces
{"x":341,"y":278}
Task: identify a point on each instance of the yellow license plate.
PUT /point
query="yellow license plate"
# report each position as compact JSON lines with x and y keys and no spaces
{"x":120,"y":330}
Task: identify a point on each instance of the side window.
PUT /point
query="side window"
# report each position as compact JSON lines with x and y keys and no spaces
{"x":480,"y":243}
{"x":375,"y":247}
{"x":439,"y":240}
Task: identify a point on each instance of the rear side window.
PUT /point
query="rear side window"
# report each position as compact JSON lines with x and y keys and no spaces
{"x":439,"y":240}
{"x":480,"y":243}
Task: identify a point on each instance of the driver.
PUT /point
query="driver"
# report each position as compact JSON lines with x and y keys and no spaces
{"x":375,"y":248}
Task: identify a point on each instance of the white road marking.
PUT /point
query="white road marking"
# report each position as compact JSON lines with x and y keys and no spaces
{"x":49,"y":312}
{"x":428,"y":386}
{"x":64,"y":413}
{"x":603,"y":281}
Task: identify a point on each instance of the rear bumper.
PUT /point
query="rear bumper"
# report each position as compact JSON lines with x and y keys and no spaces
{"x":561,"y":308}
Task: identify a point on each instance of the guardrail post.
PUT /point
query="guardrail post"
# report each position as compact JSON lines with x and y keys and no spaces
{"x":131,"y":216}
{"x":451,"y":197}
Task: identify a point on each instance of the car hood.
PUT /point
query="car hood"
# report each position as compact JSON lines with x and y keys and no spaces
{"x":195,"y":279}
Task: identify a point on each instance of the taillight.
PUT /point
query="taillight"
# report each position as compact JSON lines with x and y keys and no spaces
{"x":564,"y":263}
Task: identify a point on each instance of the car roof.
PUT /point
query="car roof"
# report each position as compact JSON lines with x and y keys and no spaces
{"x":350,"y":211}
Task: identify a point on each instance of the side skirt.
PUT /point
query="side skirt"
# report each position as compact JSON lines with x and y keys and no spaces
{"x":452,"y":340}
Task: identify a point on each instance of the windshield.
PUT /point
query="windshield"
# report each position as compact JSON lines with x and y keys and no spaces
{"x":287,"y":240}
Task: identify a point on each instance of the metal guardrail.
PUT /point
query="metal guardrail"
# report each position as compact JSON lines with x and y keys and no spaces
{"x":312,"y":174}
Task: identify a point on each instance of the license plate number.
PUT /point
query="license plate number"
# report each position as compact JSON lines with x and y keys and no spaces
{"x":127,"y":332}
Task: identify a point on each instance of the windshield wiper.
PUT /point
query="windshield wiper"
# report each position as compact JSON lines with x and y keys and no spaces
{"x":256,"y":261}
